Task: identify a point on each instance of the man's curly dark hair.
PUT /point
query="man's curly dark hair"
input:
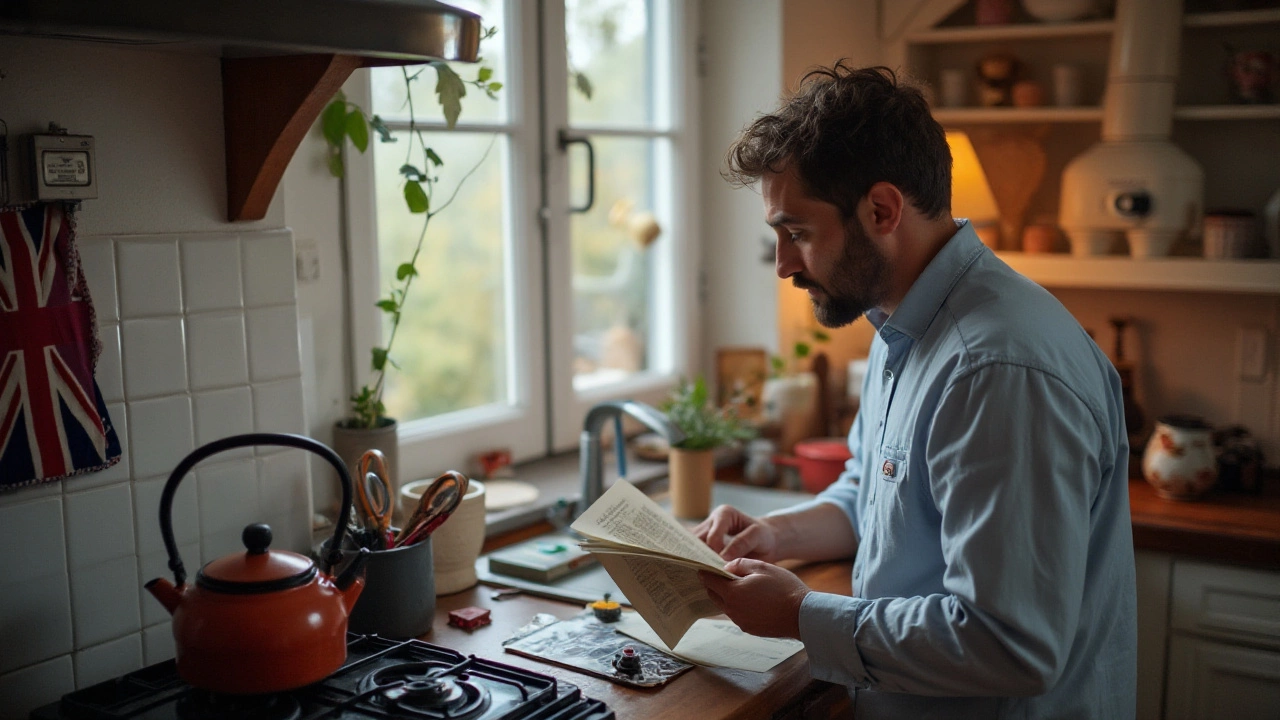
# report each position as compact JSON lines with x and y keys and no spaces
{"x":845,"y":130}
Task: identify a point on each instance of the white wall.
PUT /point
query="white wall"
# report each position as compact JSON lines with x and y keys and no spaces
{"x":743,"y":78}
{"x":199,"y":324}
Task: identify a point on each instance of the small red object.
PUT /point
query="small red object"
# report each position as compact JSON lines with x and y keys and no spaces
{"x":469,"y":618}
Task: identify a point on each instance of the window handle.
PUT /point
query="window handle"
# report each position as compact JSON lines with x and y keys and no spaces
{"x":565,"y":141}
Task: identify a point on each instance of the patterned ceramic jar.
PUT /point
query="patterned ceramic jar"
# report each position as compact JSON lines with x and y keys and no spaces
{"x":1179,"y":459}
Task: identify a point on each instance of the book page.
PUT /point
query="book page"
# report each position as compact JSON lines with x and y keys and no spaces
{"x":669,"y":596}
{"x":716,"y":643}
{"x":626,"y":516}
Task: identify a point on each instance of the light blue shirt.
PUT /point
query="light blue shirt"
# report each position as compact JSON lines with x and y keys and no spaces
{"x":988,"y":488}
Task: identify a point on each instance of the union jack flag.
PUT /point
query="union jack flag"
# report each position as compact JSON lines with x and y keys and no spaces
{"x":53,"y":422}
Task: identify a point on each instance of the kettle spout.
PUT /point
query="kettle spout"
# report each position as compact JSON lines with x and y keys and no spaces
{"x":164,"y":591}
{"x":351,"y":582}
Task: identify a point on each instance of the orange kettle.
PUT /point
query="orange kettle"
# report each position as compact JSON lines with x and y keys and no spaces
{"x":263,"y":620}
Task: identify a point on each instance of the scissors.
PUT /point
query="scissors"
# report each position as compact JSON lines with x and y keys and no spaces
{"x":435,"y":506}
{"x":374,"y":496}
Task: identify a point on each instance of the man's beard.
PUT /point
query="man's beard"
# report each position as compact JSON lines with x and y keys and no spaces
{"x":857,"y":283}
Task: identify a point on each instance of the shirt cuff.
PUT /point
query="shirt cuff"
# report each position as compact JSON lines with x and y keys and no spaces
{"x":828,"y":624}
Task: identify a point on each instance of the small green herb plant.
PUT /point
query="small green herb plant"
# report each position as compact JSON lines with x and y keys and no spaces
{"x":343,"y":120}
{"x":780,"y":366}
{"x":704,"y":426}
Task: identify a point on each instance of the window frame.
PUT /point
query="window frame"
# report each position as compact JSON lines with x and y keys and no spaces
{"x":547,"y":415}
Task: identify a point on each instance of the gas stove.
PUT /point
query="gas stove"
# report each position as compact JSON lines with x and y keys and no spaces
{"x":380,"y":679}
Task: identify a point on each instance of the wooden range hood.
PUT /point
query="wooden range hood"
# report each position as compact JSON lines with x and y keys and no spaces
{"x":282,"y":60}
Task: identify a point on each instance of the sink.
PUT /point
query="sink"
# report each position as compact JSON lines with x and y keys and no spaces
{"x":591,"y":583}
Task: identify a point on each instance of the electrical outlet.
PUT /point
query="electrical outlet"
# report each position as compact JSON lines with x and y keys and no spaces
{"x":307,"y":257}
{"x":1251,"y":353}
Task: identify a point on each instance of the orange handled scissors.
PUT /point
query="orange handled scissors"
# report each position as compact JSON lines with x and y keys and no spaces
{"x":374,"y":494}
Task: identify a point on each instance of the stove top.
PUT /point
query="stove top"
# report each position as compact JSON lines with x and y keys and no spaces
{"x":381,"y":679}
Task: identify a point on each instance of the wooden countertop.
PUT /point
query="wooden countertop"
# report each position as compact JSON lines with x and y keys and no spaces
{"x":703,"y":693}
{"x":1231,"y":528}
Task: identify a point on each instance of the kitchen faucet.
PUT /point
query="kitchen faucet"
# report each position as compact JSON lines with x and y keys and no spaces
{"x":592,"y":462}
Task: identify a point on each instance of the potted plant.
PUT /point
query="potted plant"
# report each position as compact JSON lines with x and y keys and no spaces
{"x":691,"y":462}
{"x":791,"y":393}
{"x":368,"y":426}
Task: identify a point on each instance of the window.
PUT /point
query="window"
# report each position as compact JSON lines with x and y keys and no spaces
{"x":526,"y":311}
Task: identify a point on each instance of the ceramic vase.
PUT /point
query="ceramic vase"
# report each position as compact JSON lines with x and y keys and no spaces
{"x":456,"y":544}
{"x":351,"y":443}
{"x":1179,"y":461}
{"x":691,"y":474}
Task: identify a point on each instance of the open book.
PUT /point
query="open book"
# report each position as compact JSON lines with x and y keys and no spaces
{"x":652,"y":557}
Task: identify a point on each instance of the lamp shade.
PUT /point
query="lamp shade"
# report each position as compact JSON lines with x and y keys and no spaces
{"x":970,"y":193}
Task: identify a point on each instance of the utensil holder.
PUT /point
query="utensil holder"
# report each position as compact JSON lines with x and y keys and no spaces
{"x":399,"y":598}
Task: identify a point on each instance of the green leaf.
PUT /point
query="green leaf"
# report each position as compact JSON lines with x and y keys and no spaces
{"x":336,"y":168}
{"x":434,"y":158}
{"x":405,"y":270}
{"x":451,"y":90}
{"x":777,"y":363}
{"x":802,"y":350}
{"x":484,"y":74}
{"x":387,"y":305}
{"x":379,"y":358}
{"x":412,"y":173}
{"x":583,"y":84}
{"x":357,"y":130}
{"x":416,"y":197}
{"x":333,"y":122}
{"x":380,"y":127}
{"x":494,"y":87}
{"x":820,"y":336}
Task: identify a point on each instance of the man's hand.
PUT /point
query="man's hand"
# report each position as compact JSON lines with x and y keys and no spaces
{"x":764,"y":600}
{"x":751,"y":537}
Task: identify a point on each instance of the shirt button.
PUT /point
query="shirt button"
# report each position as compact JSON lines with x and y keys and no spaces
{"x":888,"y":374}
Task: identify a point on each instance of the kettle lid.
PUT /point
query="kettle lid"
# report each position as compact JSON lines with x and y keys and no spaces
{"x":257,"y":570}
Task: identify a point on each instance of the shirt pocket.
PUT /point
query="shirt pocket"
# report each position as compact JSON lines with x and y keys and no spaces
{"x":892,"y":466}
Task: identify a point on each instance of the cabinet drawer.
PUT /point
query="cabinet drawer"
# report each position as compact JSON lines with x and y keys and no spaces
{"x":1215,"y":681}
{"x":1223,"y":600}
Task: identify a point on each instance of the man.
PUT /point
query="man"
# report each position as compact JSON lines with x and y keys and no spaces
{"x":987,"y":497}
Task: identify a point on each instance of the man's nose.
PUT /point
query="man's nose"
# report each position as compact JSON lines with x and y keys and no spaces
{"x":787,"y":259}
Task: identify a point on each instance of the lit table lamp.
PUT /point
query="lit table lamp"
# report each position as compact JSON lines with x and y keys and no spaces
{"x":971,"y":195}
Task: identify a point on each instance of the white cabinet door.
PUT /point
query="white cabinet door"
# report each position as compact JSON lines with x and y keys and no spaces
{"x":1214,"y":681}
{"x":1154,"y":571}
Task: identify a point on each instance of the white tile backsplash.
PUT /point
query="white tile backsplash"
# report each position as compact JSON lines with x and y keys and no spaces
{"x":269,"y":275}
{"x":99,"y":525}
{"x":35,"y":686}
{"x":108,"y":660}
{"x":105,"y":601}
{"x":148,"y":273}
{"x":216,"y":350}
{"x":154,"y":356}
{"x":160,"y":434}
{"x":97,"y":258}
{"x":108,"y":373}
{"x":211,"y":273}
{"x":174,"y":373}
{"x":222,"y":413}
{"x":277,"y":407}
{"x":273,"y":343}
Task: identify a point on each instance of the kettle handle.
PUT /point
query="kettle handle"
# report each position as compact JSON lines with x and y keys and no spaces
{"x":236,"y":441}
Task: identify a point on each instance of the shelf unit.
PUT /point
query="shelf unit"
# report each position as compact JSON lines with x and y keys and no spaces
{"x":1124,"y":273}
{"x":996,"y":115}
{"x":1231,"y":19}
{"x":1227,"y":112}
{"x":1021,"y":31}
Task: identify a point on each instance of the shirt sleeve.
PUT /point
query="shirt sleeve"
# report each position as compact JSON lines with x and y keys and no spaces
{"x":1013,"y":468}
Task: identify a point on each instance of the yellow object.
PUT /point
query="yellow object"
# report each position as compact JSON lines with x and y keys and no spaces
{"x":606,"y":610}
{"x":644,"y":228}
{"x":971,"y":195}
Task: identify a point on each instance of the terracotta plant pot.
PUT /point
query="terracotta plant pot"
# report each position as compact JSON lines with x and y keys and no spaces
{"x":691,"y":474}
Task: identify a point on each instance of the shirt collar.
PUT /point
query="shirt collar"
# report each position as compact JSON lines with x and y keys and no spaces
{"x":930,"y":290}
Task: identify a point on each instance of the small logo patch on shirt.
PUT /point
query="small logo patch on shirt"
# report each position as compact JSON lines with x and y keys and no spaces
{"x":888,"y":469}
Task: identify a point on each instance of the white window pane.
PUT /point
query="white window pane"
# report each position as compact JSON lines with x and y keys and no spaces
{"x":609,"y":42}
{"x":612,"y":269}
{"x":452,"y":343}
{"x":388,"y":86}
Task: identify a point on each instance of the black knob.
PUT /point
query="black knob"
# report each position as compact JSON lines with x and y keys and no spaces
{"x":256,"y":538}
{"x":1134,"y":204}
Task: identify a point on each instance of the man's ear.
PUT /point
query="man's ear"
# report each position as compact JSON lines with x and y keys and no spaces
{"x":886,"y":205}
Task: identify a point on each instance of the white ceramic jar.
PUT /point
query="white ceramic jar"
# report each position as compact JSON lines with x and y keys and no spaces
{"x":1179,"y":461}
